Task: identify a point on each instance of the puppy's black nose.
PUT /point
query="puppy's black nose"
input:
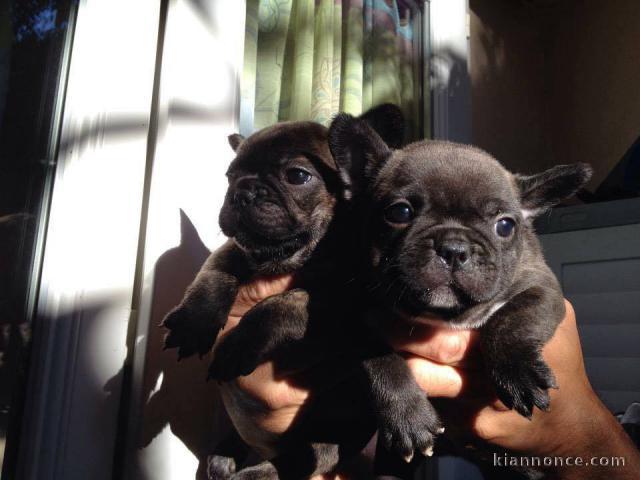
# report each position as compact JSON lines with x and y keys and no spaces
{"x":455,"y":253}
{"x":243,"y":197}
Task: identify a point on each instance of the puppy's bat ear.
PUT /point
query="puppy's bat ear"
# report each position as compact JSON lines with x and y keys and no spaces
{"x":358,"y":151}
{"x":544,"y":190}
{"x":235,"y":140}
{"x":388,"y":121}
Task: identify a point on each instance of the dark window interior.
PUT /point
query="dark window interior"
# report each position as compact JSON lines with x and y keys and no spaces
{"x":32,"y":37}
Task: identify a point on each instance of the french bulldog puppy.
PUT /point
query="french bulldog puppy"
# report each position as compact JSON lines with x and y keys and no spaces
{"x":286,"y":210}
{"x":448,"y":239}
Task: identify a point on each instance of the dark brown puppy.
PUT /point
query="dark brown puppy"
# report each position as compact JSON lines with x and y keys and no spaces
{"x":286,"y":210}
{"x":449,"y":240}
{"x":280,"y":201}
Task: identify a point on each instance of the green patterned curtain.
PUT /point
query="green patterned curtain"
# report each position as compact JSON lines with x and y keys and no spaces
{"x":308,"y":59}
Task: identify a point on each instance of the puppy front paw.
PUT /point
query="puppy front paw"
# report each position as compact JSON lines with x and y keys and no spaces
{"x":524,"y":383}
{"x":189,"y":333}
{"x":237,"y":354}
{"x":409,"y":425}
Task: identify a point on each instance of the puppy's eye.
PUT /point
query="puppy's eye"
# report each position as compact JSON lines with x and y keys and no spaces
{"x":400,"y":212}
{"x":505,"y":226}
{"x":298,"y":176}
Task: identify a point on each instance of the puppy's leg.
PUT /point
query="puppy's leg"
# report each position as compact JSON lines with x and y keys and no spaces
{"x":220,"y":467}
{"x":226,"y":455}
{"x":406,"y":419}
{"x":512,"y":341}
{"x":194,"y":324}
{"x":295,"y":464}
{"x":262,"y":471}
{"x":272,"y":326}
{"x":223,"y":468}
{"x":306,"y":461}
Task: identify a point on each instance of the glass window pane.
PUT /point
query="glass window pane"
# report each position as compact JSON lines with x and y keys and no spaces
{"x":33,"y":34}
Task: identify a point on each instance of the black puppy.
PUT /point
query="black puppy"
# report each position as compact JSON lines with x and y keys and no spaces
{"x":279,"y":204}
{"x":449,"y":240}
{"x":285,"y":211}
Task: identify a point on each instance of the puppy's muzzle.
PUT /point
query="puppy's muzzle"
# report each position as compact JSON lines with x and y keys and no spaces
{"x":243,"y":198}
{"x":454,"y":253}
{"x":247,"y":191}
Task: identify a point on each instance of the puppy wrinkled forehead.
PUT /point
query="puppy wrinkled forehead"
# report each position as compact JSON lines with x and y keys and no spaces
{"x":454,"y":172}
{"x":285,"y":139}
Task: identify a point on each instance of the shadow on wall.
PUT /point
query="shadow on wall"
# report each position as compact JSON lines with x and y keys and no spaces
{"x":175,"y":394}
{"x":80,"y":399}
{"x":125,"y":127}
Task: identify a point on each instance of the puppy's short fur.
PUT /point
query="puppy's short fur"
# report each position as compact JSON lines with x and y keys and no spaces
{"x":285,"y":211}
{"x":449,"y":240}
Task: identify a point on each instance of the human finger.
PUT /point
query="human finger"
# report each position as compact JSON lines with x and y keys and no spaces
{"x":257,"y":290}
{"x":442,"y":345}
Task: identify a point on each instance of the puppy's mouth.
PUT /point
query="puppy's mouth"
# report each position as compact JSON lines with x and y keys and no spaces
{"x":444,"y":302}
{"x":265,"y":247}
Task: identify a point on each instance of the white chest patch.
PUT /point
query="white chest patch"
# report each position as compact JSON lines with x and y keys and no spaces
{"x":467,"y":324}
{"x":494,"y":308}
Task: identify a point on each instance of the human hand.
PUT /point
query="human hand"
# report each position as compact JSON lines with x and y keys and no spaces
{"x":279,"y":398}
{"x":448,"y":364}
